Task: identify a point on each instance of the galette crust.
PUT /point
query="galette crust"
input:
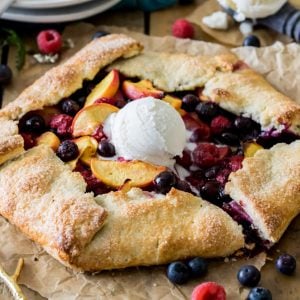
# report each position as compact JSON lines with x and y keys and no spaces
{"x":174,"y":71}
{"x":61,"y":81}
{"x":244,"y":92}
{"x":226,"y":81}
{"x":47,"y":201}
{"x":11,"y":143}
{"x":144,"y":230}
{"x":268,"y":188}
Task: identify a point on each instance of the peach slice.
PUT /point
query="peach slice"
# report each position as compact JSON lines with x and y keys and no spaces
{"x":141,"y":89}
{"x":182,"y":112}
{"x":251,"y":148}
{"x":87,"y":146}
{"x":106,"y":88}
{"x":89,"y":118}
{"x":175,"y":102}
{"x":117,"y":173}
{"x":49,"y":138}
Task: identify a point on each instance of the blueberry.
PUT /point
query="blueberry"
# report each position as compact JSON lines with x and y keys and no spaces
{"x":5,"y":74}
{"x":248,"y":276}
{"x":206,"y":111}
{"x":259,"y":293}
{"x":70,"y":107}
{"x":67,"y":151}
{"x":251,"y":40}
{"x":230,"y":139}
{"x":99,"y":34}
{"x":35,"y":124}
{"x":286,"y":264}
{"x":178,"y":272}
{"x":211,"y":191}
{"x":198,"y":267}
{"x":183,"y":186}
{"x":165,"y":181}
{"x":243,"y":124}
{"x":189,"y":102}
{"x":81,"y":101}
{"x":106,"y":149}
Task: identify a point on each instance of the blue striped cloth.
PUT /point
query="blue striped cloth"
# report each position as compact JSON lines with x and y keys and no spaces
{"x":146,"y":5}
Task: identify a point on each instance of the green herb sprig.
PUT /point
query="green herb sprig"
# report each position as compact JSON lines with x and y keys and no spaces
{"x":11,"y":38}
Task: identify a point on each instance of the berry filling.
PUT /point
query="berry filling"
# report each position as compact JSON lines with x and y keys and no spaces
{"x":216,"y":144}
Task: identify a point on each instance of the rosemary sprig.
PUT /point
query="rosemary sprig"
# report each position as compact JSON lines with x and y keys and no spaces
{"x":10,"y":37}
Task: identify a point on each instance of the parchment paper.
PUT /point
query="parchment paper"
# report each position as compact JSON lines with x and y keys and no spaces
{"x":51,"y":280}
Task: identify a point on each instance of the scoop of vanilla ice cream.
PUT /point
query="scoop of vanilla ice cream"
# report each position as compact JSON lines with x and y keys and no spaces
{"x":254,"y":8}
{"x":147,"y":129}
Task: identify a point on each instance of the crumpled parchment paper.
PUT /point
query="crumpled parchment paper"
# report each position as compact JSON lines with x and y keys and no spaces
{"x":44,"y":277}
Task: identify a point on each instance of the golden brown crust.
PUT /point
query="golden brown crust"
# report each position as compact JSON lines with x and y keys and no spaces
{"x":11,"y":143}
{"x":226,"y":81}
{"x":268,"y":188}
{"x":144,"y":230}
{"x":47,"y":201}
{"x":42,"y":197}
{"x":63,"y":80}
{"x":248,"y":93}
{"x":176,"y":71}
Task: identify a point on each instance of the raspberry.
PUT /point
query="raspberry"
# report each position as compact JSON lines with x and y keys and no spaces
{"x":49,"y":41}
{"x":235,"y":162}
{"x":200,"y":131}
{"x":222,"y":175}
{"x":185,"y":160}
{"x":205,"y":155}
{"x":29,"y":140}
{"x":183,"y":29}
{"x":209,"y":291}
{"x":62,"y":124}
{"x":219,"y":124}
{"x":93,"y":184}
{"x":98,"y":134}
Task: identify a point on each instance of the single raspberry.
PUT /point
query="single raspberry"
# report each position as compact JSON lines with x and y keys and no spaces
{"x":219,"y":124}
{"x":209,"y":291}
{"x":235,"y":162}
{"x":98,"y":134}
{"x":222,"y":176}
{"x":61,"y":124}
{"x":49,"y":41}
{"x":183,"y":29}
{"x":205,"y":155}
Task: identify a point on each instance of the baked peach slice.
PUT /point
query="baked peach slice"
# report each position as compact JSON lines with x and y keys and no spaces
{"x":87,"y":147}
{"x":50,"y":139}
{"x":251,"y":148}
{"x":141,"y":89}
{"x":175,"y":102}
{"x":106,"y":88}
{"x":89,"y":118}
{"x":117,"y":173}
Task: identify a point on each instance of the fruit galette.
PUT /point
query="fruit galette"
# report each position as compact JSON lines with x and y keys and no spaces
{"x":118,"y":158}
